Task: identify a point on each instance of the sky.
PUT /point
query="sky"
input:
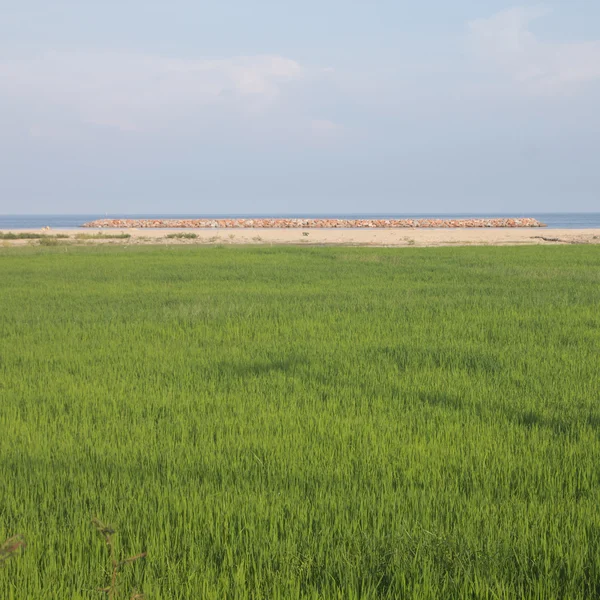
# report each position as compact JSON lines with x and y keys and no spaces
{"x":312,"y":107}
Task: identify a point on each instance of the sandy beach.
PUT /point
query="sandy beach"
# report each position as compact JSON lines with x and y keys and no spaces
{"x":308,"y":237}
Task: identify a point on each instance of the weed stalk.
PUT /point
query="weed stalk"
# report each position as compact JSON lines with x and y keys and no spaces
{"x":116,"y":565}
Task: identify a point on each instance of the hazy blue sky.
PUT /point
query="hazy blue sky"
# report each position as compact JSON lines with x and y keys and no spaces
{"x":314,"y":106}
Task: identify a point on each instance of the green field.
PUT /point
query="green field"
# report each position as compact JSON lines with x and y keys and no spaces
{"x":286,"y":423}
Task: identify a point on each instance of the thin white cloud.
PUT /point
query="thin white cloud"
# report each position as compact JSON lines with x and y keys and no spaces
{"x":537,"y":66}
{"x":138,"y":92}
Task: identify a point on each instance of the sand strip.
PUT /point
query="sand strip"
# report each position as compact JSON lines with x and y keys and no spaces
{"x":310,"y":237}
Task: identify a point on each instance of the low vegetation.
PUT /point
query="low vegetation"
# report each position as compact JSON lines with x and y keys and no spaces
{"x":182,"y":236}
{"x":102,"y":236}
{"x":353,"y":423}
{"x":9,"y":235}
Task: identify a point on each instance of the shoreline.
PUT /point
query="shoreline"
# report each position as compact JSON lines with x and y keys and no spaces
{"x":418,"y":237}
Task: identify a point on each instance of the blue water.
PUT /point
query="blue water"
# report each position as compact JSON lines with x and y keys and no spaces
{"x":553,"y":220}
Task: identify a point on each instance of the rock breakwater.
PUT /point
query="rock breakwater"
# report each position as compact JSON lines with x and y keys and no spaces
{"x":267,"y":223}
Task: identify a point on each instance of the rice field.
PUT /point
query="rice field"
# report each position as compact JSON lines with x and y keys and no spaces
{"x":281,"y":423}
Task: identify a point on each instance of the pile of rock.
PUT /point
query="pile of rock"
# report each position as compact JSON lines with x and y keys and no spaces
{"x":310,"y":223}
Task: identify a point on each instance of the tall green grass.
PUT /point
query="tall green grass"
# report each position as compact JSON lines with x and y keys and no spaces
{"x":302,"y":423}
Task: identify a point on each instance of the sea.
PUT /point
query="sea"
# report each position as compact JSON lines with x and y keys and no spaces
{"x":552,"y":220}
